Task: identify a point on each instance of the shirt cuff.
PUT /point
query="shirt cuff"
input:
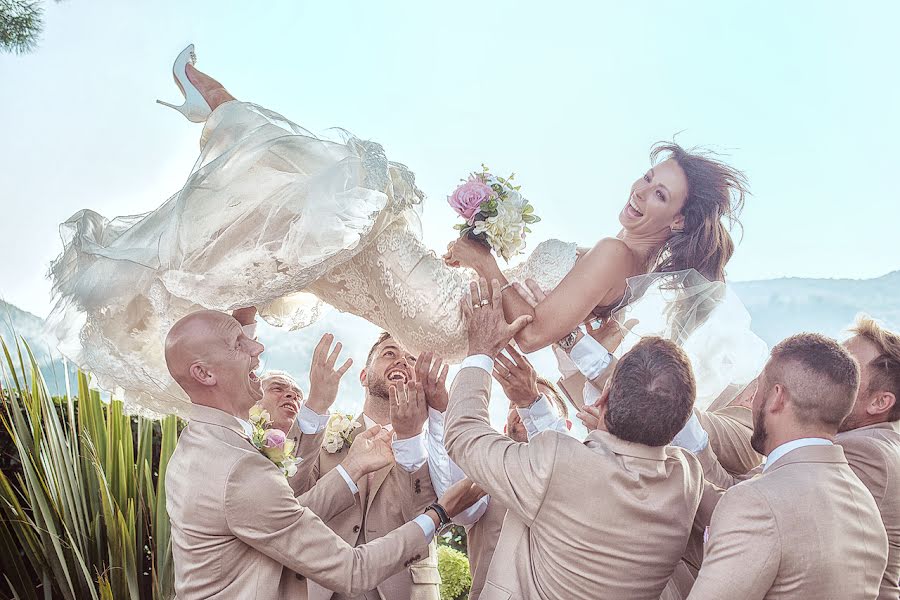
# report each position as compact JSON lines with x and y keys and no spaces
{"x":539,"y":416}
{"x":692,"y":436}
{"x":436,"y":424}
{"x":310,"y":421}
{"x":410,"y":453}
{"x":250,"y":330}
{"x":590,"y":357}
{"x":482,"y":361}
{"x":427,"y":525}
{"x":470,"y":516}
{"x":350,"y":483}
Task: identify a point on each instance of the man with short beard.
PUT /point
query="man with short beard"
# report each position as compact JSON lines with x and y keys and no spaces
{"x":869,"y":436}
{"x":388,"y":497}
{"x":806,"y":527}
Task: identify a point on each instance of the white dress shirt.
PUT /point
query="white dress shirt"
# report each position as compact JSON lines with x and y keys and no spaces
{"x":588,"y":357}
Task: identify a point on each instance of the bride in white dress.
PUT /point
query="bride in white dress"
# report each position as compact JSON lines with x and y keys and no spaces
{"x":274,"y":217}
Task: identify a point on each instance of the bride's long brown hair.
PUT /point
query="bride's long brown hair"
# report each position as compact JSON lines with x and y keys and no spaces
{"x":715,"y":196}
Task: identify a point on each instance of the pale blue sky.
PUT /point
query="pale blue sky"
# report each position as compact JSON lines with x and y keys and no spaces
{"x":803,"y":96}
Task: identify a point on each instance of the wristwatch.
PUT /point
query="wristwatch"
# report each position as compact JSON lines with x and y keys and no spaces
{"x":568,"y":342}
{"x":441,"y":512}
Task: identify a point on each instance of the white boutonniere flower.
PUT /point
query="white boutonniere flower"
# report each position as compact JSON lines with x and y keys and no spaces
{"x":337,"y":432}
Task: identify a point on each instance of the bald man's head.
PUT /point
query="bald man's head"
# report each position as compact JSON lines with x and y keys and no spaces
{"x":210,"y":357}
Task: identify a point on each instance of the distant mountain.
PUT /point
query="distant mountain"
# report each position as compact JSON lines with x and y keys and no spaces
{"x":781,"y":307}
{"x":778,"y":307}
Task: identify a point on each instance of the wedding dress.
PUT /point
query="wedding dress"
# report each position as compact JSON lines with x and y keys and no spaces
{"x":274,"y":217}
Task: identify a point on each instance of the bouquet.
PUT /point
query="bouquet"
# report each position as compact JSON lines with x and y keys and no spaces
{"x":273,"y":443}
{"x":495,"y":211}
{"x":338,"y":431}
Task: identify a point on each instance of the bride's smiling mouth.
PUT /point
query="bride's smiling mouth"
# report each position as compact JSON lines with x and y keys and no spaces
{"x":632,"y":210}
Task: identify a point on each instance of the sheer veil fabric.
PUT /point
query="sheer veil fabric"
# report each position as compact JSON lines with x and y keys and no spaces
{"x":274,"y":217}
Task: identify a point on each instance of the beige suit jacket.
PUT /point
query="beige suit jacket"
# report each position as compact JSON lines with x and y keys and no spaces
{"x":805,"y":528}
{"x":873,"y":453}
{"x":239,"y":532}
{"x":481,"y":541}
{"x":600,"y":519}
{"x":396,"y":496}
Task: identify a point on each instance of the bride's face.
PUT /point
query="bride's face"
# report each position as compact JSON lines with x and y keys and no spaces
{"x":656,"y":199}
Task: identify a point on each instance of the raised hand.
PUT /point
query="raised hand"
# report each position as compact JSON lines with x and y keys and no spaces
{"x":487,"y":328}
{"x":592,"y":415}
{"x":460,"y":496}
{"x":466,"y":252}
{"x":517,"y":377}
{"x":609,"y":333}
{"x":324,"y":379}
{"x":408,"y":409}
{"x":515,"y":429}
{"x":432,"y":372}
{"x":369,"y":452}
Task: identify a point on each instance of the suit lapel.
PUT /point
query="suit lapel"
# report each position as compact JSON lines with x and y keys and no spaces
{"x":377,"y":481}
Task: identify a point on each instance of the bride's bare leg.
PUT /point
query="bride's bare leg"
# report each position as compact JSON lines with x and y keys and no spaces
{"x":212,"y":91}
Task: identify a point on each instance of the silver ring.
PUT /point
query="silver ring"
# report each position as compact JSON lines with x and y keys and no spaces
{"x":476,"y":305}
{"x":485,"y":302}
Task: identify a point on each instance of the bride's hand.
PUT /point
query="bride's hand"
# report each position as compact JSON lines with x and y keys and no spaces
{"x":466,"y":252}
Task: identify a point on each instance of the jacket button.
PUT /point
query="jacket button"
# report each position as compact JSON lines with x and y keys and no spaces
{"x":416,"y":557}
{"x":356,"y":529}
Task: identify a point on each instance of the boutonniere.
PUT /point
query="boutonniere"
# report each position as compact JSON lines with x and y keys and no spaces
{"x":337,"y":432}
{"x":273,"y":443}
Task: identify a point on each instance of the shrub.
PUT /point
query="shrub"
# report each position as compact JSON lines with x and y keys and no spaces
{"x":456,"y":579}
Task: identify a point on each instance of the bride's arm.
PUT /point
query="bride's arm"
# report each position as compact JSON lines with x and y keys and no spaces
{"x":601,"y":270}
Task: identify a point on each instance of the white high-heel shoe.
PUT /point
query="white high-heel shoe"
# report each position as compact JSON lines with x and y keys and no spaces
{"x":195,"y":108}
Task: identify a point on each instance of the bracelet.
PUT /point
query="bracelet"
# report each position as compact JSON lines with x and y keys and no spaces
{"x":441,"y":513}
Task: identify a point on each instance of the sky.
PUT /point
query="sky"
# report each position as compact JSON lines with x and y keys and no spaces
{"x":803,"y":96}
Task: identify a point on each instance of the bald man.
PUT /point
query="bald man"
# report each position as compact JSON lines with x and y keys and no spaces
{"x":237,"y":529}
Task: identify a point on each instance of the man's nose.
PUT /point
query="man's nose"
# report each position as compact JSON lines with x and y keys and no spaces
{"x":257,"y":348}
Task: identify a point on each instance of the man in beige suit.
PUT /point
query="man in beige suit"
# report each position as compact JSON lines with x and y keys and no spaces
{"x":397,"y":492}
{"x":237,"y":529}
{"x":870,"y":437}
{"x":607,"y":518}
{"x":805,"y":527}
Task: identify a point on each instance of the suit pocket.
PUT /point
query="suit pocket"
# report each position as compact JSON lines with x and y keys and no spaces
{"x":426,"y":574}
{"x":492,"y":591}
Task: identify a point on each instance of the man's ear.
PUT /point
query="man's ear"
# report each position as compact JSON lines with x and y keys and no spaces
{"x":362,"y":378}
{"x":881,"y":404}
{"x":779,"y":399}
{"x":202,"y":375}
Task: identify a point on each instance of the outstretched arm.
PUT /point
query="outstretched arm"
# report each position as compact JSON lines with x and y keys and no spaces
{"x":598,"y":274}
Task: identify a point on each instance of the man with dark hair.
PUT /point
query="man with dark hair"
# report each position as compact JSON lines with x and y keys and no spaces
{"x":606,"y":518}
{"x":388,"y":497}
{"x":806,"y":526}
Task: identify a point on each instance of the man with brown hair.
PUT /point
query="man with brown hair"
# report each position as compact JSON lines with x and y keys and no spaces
{"x":870,"y":435}
{"x":390,"y":496}
{"x":606,"y":518}
{"x":806,"y":526}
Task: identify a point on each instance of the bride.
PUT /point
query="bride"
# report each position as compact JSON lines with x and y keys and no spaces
{"x":274,"y":217}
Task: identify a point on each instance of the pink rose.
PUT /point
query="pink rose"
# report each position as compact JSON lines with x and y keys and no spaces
{"x":467,"y":198}
{"x":274,"y":438}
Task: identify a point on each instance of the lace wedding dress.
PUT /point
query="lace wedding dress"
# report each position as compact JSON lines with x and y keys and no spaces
{"x":274,"y":217}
